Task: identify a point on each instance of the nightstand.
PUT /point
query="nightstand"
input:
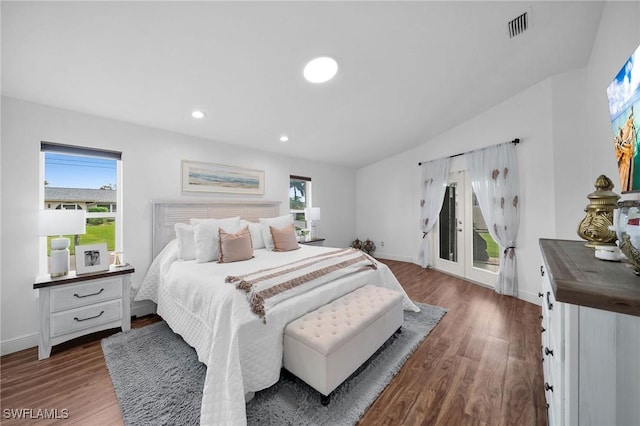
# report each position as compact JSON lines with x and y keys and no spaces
{"x":315,"y":242}
{"x":75,"y":305}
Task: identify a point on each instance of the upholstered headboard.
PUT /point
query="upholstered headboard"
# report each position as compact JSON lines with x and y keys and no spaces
{"x":166,"y":213}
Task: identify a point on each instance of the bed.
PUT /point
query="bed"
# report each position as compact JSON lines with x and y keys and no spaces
{"x":242,"y":351}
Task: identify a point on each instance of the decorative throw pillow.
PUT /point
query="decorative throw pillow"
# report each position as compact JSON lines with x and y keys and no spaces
{"x":186,"y":241}
{"x":277,"y":222}
{"x":234,"y":247}
{"x":206,"y":236}
{"x":284,"y":239}
{"x":256,"y":233}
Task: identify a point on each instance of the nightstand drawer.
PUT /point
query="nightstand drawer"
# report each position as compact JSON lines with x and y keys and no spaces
{"x":77,"y":295}
{"x":85,"y":317}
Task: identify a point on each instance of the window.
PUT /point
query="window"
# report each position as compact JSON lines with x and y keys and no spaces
{"x":299,"y":198}
{"x":77,"y":178}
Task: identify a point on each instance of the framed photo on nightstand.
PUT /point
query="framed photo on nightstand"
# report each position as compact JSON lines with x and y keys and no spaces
{"x":92,"y":258}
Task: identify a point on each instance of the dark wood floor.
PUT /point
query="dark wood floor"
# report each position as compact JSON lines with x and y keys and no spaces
{"x":480,"y":365}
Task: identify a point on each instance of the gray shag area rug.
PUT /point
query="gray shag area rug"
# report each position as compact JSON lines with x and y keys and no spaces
{"x":158,"y":379}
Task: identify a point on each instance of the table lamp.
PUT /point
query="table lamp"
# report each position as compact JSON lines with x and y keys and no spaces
{"x":61,"y":222}
{"x":312,"y":214}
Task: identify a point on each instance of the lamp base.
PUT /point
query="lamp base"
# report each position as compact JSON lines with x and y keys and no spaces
{"x":59,"y":263}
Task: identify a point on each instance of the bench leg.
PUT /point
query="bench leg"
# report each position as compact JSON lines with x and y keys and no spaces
{"x":325,"y":399}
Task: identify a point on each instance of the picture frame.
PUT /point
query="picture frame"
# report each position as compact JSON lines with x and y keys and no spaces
{"x":210,"y":177}
{"x":92,"y":258}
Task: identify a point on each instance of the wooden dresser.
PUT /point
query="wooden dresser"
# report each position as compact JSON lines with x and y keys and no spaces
{"x":590,"y":337}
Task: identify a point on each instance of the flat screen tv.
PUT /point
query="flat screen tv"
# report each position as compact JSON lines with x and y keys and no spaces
{"x":624,"y":98}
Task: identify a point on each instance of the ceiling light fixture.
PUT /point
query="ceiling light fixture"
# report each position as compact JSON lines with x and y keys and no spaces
{"x":320,"y":70}
{"x":284,"y":138}
{"x":197,"y":114}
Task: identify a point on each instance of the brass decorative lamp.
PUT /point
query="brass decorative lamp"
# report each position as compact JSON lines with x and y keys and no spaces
{"x":595,"y":226}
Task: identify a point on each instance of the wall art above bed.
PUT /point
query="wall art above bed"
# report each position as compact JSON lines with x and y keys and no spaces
{"x":207,"y":177}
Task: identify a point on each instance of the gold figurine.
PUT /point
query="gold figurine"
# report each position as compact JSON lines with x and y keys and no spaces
{"x":595,"y":226}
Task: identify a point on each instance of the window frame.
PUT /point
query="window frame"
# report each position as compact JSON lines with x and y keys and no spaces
{"x":117,"y":215}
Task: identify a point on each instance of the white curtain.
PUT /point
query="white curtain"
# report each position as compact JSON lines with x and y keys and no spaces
{"x":494,"y":177}
{"x":432,"y":188}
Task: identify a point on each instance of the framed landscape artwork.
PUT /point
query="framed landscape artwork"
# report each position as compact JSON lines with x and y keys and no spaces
{"x":207,"y":177}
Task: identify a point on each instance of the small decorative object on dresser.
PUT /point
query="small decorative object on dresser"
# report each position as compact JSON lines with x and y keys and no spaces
{"x":595,"y":226}
{"x":74,"y":306}
{"x":368,"y":246}
{"x":92,"y":258}
{"x":628,"y":231}
{"x":356,"y":244}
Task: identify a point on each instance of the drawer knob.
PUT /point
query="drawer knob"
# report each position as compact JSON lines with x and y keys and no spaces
{"x":540,"y":294}
{"x":88,"y":295}
{"x":85,"y":319}
{"x":542,"y":270}
{"x":548,"y":387}
{"x":548,"y":351}
{"x":542,"y":329}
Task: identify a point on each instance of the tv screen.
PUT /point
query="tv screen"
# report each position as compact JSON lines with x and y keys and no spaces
{"x":624,"y":98}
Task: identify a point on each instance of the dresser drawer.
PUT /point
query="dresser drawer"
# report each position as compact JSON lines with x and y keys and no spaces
{"x":85,"y":317}
{"x":77,"y":295}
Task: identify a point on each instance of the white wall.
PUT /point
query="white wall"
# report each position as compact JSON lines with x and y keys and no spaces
{"x":151,"y":170}
{"x":564,"y":126}
{"x":388,"y":191}
{"x":618,"y":36}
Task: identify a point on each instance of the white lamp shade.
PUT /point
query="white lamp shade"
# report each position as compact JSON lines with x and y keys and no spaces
{"x":312,"y":213}
{"x":62,"y":222}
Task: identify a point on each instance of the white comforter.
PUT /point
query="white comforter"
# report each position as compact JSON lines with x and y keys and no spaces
{"x":241,"y":353}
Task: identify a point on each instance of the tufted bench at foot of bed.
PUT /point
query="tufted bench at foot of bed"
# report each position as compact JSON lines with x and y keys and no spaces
{"x":327,"y":345}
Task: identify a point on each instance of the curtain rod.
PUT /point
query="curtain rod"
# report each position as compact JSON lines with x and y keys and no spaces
{"x":515,"y":141}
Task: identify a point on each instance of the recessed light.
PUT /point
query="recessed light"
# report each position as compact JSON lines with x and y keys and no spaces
{"x":197,"y":114}
{"x":284,"y":138}
{"x":320,"y":70}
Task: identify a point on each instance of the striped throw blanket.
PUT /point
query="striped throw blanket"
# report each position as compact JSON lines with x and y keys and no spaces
{"x":268,"y":287}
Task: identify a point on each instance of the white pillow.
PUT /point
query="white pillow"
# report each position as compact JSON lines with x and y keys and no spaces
{"x":206,"y":236}
{"x":186,"y":241}
{"x":256,"y":233}
{"x":276,"y":222}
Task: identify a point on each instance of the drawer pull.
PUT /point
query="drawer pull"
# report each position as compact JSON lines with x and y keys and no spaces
{"x":542,"y":270}
{"x":542,"y":329}
{"x":85,"y":319}
{"x":548,"y":351}
{"x":549,"y":304}
{"x":548,"y":387}
{"x":88,"y":295}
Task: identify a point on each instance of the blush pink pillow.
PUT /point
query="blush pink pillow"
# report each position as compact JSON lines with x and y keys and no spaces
{"x":234,"y":247}
{"x":284,"y":239}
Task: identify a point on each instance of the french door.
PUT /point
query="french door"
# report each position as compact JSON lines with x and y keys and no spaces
{"x":463,"y":246}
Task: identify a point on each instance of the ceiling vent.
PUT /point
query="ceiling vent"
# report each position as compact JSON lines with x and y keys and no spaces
{"x":518,"y":25}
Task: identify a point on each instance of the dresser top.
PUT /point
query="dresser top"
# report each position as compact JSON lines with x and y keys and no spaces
{"x":579,"y":278}
{"x":72,"y":277}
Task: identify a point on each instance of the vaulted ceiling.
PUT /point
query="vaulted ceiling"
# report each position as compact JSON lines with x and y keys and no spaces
{"x":408,"y":71}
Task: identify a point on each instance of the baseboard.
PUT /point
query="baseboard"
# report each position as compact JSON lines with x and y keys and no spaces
{"x":529,"y":297}
{"x":523,"y":295}
{"x":9,"y":346}
{"x":383,"y":256}
{"x":140,"y":309}
{"x":16,"y":344}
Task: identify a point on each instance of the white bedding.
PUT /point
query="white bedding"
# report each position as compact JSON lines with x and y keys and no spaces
{"x":241,"y":353}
